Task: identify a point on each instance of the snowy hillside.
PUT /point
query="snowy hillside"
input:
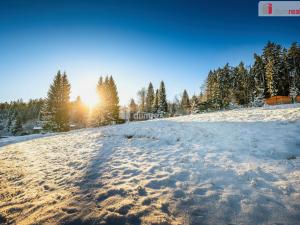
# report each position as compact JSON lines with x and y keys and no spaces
{"x":231,"y":167}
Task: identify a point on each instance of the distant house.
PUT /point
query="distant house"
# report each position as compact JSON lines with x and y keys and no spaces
{"x":146,"y":116}
{"x":124,"y":113}
{"x":37,"y":129}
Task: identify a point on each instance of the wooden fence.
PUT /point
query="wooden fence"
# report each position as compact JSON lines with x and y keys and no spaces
{"x":276,"y":100}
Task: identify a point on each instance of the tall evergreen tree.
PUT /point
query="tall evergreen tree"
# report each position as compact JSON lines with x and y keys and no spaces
{"x":270,"y":74}
{"x":224,"y":80}
{"x":293,"y":92}
{"x":271,"y":56}
{"x":155,"y":102}
{"x":65,"y":103}
{"x":56,"y":110}
{"x":242,"y":84}
{"x":195,"y":105}
{"x":114,"y":108}
{"x":142,"y":99}
{"x":283,"y":78}
{"x":293,"y":66}
{"x":185,"y":103}
{"x":258,"y":73}
{"x":108,"y":109}
{"x":162,"y":99}
{"x":97,"y":115}
{"x":149,"y":98}
{"x":133,"y":108}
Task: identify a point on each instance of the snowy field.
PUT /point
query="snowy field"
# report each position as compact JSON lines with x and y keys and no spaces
{"x":231,"y":167}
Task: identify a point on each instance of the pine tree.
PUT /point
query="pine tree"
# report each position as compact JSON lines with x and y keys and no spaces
{"x":283,"y":79}
{"x":65,"y":103}
{"x":149,"y":98}
{"x":142,"y":99}
{"x":97,"y":115}
{"x":224,"y":80}
{"x":293,"y":90}
{"x":214,"y":85}
{"x":195,"y":105}
{"x":242,"y":85}
{"x":258,"y":73}
{"x":293,"y":65}
{"x":185,"y":103}
{"x":114,"y":108}
{"x":108,"y":109}
{"x":133,"y":108}
{"x":155,"y":102}
{"x":162,"y":99}
{"x":56,"y":109}
{"x":271,"y":56}
{"x":270,"y":73}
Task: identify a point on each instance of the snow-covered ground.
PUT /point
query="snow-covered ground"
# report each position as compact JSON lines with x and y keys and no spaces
{"x":15,"y":139}
{"x":231,"y":167}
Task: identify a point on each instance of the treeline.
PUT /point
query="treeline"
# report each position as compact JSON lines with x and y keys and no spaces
{"x":57,"y":112}
{"x":150,"y":101}
{"x":16,"y":113}
{"x":274,"y":73}
{"x":107,"y":110}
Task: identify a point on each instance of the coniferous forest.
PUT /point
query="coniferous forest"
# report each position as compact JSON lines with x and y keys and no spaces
{"x":276,"y":72}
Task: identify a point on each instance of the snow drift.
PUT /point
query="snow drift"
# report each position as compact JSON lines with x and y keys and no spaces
{"x":230,"y":167}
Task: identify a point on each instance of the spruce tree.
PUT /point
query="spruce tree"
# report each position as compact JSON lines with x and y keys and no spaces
{"x":224,"y":80}
{"x":272,"y":61}
{"x":155,"y":102}
{"x":108,"y":109}
{"x":270,"y":74}
{"x":293,"y":92}
{"x":65,"y":103}
{"x":133,"y":108}
{"x":242,"y":85}
{"x":195,"y":105}
{"x":162,"y":99}
{"x":149,"y":98}
{"x":97,"y":115}
{"x":293,"y":65}
{"x":114,"y":108}
{"x":258,"y":72}
{"x":56,"y":109}
{"x":185,"y":102}
{"x":142,"y":99}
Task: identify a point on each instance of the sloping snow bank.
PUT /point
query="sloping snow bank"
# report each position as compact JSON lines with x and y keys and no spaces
{"x":15,"y":139}
{"x":230,"y":167}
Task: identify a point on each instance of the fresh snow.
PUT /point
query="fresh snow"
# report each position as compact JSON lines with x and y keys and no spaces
{"x":15,"y":139}
{"x":229,"y":167}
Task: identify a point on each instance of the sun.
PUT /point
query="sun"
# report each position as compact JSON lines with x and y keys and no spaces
{"x":91,"y":100}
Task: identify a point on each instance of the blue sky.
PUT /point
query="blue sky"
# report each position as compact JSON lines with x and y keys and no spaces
{"x":135,"y":41}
